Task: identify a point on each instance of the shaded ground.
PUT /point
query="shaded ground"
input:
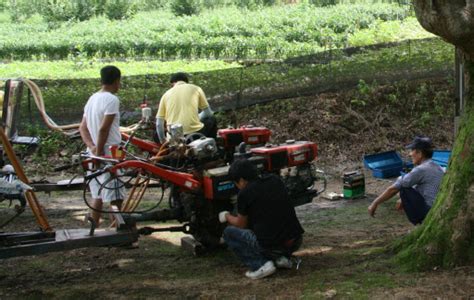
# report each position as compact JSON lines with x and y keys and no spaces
{"x":345,"y":252}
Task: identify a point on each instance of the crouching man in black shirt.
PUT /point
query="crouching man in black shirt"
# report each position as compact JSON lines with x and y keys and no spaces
{"x":265,"y":231}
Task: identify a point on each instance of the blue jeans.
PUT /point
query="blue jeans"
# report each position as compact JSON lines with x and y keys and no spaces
{"x":244,"y":244}
{"x":414,"y":205}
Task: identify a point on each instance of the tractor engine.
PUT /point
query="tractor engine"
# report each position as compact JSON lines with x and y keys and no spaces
{"x":292,"y":162}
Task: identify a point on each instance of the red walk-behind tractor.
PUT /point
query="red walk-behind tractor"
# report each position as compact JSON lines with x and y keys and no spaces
{"x":195,"y":169}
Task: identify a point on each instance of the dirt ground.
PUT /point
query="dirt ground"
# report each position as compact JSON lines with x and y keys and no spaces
{"x":344,"y":255}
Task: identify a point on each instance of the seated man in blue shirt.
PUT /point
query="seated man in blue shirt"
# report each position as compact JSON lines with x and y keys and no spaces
{"x":418,"y":188}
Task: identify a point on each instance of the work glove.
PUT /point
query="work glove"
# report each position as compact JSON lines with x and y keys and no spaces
{"x":222,"y":217}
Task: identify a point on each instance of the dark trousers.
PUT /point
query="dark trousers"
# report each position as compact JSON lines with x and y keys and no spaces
{"x":244,"y":244}
{"x":286,"y":249}
{"x":210,"y":127}
{"x":414,"y":205}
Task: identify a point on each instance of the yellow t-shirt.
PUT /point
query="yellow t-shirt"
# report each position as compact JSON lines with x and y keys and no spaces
{"x":181,"y":104}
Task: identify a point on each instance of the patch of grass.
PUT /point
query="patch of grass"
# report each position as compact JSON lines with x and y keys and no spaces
{"x":352,"y":280}
{"x":351,"y":215}
{"x":89,"y":68}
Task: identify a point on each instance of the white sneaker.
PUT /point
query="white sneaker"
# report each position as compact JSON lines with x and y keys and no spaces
{"x":266,"y":270}
{"x":283,"y":262}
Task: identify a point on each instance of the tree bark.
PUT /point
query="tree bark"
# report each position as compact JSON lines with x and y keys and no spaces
{"x":453,"y":20}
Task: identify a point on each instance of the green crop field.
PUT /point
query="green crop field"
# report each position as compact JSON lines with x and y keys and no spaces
{"x":271,"y":32}
{"x":268,"y":52}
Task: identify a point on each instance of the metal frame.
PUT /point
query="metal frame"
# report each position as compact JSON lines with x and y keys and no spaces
{"x":32,"y":243}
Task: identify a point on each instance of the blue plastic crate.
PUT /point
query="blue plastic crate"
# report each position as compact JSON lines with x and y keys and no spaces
{"x":384,"y":165}
{"x":441,"y":157}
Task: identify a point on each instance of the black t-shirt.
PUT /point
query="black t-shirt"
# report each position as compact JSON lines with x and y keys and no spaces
{"x":269,"y":212}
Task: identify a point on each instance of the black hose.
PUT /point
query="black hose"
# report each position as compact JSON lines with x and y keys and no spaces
{"x":109,"y":211}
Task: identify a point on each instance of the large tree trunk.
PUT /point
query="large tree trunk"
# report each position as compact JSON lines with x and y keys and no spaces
{"x":445,"y":238}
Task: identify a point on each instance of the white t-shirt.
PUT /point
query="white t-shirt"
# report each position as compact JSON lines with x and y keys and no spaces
{"x":99,"y":105}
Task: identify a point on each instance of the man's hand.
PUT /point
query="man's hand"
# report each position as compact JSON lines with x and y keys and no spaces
{"x":93,"y":150}
{"x":372,"y":208}
{"x":97,"y":151}
{"x":399,"y":205}
{"x":386,"y":195}
{"x":223,"y":216}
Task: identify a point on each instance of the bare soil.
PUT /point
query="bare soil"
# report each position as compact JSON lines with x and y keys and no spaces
{"x":346,"y":254}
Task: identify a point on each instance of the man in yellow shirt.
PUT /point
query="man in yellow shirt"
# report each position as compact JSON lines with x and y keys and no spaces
{"x":181,"y":105}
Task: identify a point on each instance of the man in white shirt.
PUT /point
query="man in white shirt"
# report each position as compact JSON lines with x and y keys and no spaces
{"x":100,"y":129}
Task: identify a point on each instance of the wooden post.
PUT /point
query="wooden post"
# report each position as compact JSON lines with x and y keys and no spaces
{"x":30,"y":195}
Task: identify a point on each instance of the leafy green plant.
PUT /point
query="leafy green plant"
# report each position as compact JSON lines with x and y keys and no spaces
{"x":358,"y":102}
{"x":22,"y":9}
{"x":65,"y":10}
{"x":3,"y":5}
{"x":185,"y":7}
{"x":392,"y":98}
{"x":424,"y":119}
{"x":323,"y":2}
{"x":120,"y":9}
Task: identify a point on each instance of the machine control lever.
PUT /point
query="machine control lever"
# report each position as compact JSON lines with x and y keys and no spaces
{"x":186,"y":228}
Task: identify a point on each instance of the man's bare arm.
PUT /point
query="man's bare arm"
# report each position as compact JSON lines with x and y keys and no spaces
{"x":387,"y":194}
{"x":104,"y":134}
{"x":239,"y":221}
{"x":85,"y":135}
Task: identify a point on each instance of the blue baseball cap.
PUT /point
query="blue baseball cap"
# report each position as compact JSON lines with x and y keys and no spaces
{"x":420,"y":143}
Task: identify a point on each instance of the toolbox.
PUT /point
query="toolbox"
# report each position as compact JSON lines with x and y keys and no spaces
{"x":384,"y":165}
{"x":354,"y":184}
